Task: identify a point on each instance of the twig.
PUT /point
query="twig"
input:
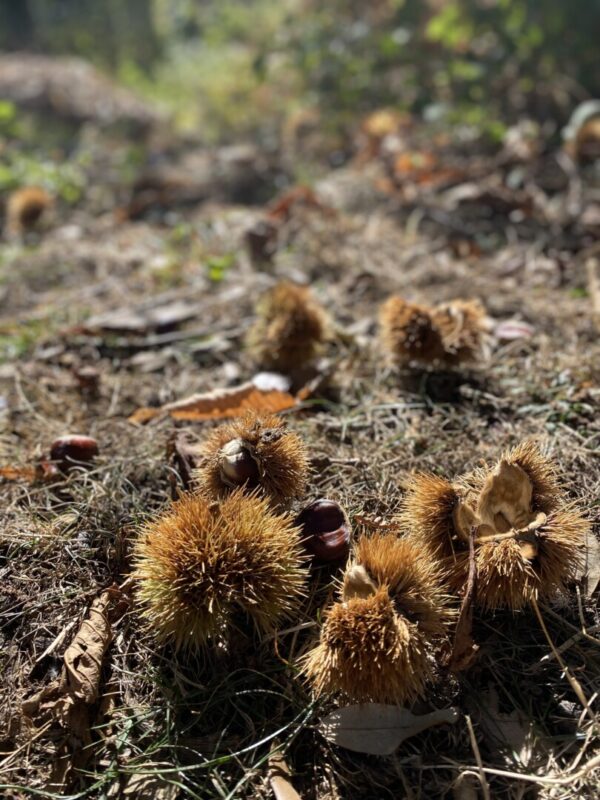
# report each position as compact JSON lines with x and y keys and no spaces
{"x":589,"y":766}
{"x":592,"y":266}
{"x":575,"y":685}
{"x":482,"y":779}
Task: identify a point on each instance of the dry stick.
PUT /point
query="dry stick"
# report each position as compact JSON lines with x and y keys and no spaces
{"x":464,"y":648}
{"x":575,"y":685}
{"x":592,"y":764}
{"x":482,"y":779}
{"x":584,"y":630}
{"x":592,"y":266}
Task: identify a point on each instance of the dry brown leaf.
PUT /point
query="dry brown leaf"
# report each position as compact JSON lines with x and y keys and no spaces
{"x":17,"y":473}
{"x":591,"y":567}
{"x":145,"y":787}
{"x":279,"y":778}
{"x":379,"y":729}
{"x":282,"y":208}
{"x":424,"y":168}
{"x":42,"y":471}
{"x":66,"y":703}
{"x":224,"y":404}
{"x":161,"y":317}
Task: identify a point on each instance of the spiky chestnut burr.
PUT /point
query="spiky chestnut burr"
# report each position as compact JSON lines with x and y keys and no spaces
{"x":528,"y":538}
{"x":200,"y":563}
{"x":325,"y":530}
{"x":407,"y":332}
{"x":449,"y":334}
{"x":377,"y":642}
{"x":465,"y":330}
{"x":290,"y":330}
{"x":257,"y":452}
{"x":24,"y":208}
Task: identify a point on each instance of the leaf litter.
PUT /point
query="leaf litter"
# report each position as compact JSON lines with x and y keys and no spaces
{"x":436,"y":228}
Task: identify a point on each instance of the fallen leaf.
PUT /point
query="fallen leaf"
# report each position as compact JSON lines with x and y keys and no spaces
{"x":466,"y":787}
{"x":254,"y":395}
{"x":161,"y":317}
{"x":590,"y":571}
{"x":282,"y":208}
{"x":65,"y":705}
{"x":42,"y":471}
{"x":424,"y":168}
{"x":279,"y":778}
{"x":143,"y":415}
{"x":508,"y":735}
{"x":145,"y":787}
{"x":379,"y":729}
{"x":17,"y":473}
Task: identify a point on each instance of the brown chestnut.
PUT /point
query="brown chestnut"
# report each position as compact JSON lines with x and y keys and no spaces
{"x":325,"y":530}
{"x":237,"y":465}
{"x":70,"y":451}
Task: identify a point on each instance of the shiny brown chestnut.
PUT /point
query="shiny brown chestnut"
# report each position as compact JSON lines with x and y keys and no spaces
{"x":325,"y":530}
{"x":70,"y":451}
{"x":237,"y":465}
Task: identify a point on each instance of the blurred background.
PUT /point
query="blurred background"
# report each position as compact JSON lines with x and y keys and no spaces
{"x":229,"y":69}
{"x":150,"y":108}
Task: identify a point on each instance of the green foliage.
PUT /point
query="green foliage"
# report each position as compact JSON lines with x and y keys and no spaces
{"x":21,"y":340}
{"x":503,"y":57}
{"x":65,"y":180}
{"x":212,"y":77}
{"x":218,"y":266}
{"x":10,"y":127}
{"x":233,"y":68}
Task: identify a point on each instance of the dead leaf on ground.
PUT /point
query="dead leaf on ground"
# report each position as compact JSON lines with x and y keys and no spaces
{"x":590,"y":570}
{"x":509,"y":736}
{"x":42,"y":471}
{"x":279,"y":778}
{"x":65,"y":705}
{"x":464,"y":649}
{"x":466,"y":787}
{"x":379,"y":729}
{"x":145,"y":787}
{"x":254,"y":395}
{"x":161,"y":317}
{"x":423,"y":168}
{"x":283,"y":207}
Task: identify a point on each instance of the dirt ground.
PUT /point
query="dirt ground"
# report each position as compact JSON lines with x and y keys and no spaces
{"x":152,"y":293}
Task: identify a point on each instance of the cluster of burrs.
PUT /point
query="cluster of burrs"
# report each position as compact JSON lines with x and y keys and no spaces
{"x":231,"y":548}
{"x":448,"y":335}
{"x":240,"y":546}
{"x":235,"y":548}
{"x":528,"y":539}
{"x":292,"y":329}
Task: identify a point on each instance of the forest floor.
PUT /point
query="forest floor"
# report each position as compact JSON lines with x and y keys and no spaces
{"x":132,"y":298}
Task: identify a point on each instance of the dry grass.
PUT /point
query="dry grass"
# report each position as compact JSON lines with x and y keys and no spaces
{"x":207,"y":725}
